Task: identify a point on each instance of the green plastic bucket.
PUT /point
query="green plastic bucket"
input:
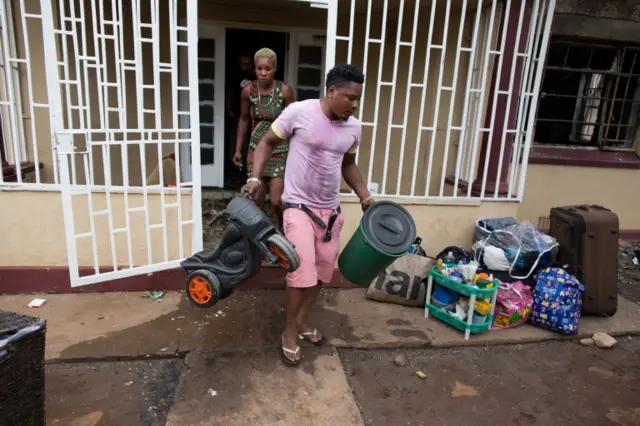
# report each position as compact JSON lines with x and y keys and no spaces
{"x":386,"y":232}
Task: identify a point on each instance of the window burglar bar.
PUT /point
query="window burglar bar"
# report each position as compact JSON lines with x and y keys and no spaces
{"x":590,"y":95}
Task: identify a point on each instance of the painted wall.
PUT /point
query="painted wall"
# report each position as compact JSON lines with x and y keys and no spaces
{"x":612,"y":9}
{"x":550,"y":186}
{"x":33,"y":229}
{"x":439,"y":224}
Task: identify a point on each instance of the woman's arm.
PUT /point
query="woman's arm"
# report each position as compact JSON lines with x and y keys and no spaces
{"x":245,"y":118}
{"x":287,"y":95}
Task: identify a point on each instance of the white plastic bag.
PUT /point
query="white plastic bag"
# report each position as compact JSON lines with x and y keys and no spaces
{"x":483,"y":244}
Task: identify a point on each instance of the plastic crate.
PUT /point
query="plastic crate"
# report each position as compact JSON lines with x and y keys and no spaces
{"x":22,"y":391}
{"x":461,"y":288}
{"x":436,"y":278}
{"x":461,"y":325}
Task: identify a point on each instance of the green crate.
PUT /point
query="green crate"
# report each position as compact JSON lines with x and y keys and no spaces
{"x":445,"y":316}
{"x":464,"y":289}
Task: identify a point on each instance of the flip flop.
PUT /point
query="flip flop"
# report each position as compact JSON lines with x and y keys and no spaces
{"x":313,"y":334}
{"x":289,"y":361}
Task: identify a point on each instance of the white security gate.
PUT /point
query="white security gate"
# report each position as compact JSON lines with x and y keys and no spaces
{"x":112,"y":72}
{"x":451,"y":90}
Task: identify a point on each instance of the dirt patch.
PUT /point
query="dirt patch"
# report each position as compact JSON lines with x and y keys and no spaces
{"x":212,"y":233}
{"x":538,"y":384}
{"x":628,"y":273}
{"x":111,"y":393}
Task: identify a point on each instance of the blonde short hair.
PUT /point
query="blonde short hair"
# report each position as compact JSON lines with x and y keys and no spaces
{"x":266,"y":53}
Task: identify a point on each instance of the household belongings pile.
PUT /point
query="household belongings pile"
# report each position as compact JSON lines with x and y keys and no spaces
{"x":461,"y":296}
{"x":402,"y":282}
{"x":518,"y":249}
{"x":515,"y":256}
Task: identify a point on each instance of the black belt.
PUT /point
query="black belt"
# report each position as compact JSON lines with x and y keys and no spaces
{"x":316,"y":218}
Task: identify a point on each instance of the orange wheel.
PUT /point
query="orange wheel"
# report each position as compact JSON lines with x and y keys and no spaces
{"x":284,"y":262}
{"x":288,"y":258}
{"x":200,"y":290}
{"x":203,"y":288}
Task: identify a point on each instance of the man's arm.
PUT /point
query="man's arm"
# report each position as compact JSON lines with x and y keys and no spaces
{"x":352,"y":176}
{"x":263,"y":152}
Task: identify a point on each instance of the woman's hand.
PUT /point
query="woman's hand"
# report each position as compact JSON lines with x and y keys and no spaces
{"x":237,"y":159}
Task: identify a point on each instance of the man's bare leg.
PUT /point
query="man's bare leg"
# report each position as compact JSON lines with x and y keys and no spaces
{"x":293,"y":298}
{"x":310,"y":297}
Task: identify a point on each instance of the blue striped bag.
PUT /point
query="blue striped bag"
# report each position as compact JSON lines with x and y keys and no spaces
{"x":557,"y":301}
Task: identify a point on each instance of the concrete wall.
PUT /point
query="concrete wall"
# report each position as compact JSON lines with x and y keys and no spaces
{"x":611,"y":9}
{"x":550,"y":186}
{"x":612,"y":20}
{"x":33,"y":229}
{"x":439,"y":224}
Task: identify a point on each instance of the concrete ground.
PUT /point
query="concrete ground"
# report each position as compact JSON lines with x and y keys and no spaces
{"x":118,"y":358}
{"x":117,"y":325}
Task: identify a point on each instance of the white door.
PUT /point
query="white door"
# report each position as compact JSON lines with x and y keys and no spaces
{"x":113,"y":86}
{"x":211,"y":70}
{"x":307,"y":65}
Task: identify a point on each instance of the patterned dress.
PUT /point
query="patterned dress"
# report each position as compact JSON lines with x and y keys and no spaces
{"x":264,"y":111}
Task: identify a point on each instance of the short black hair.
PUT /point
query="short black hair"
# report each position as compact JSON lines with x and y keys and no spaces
{"x":344,"y":74}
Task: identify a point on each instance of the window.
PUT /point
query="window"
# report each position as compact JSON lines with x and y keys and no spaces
{"x":310,"y":72}
{"x":590,"y":95}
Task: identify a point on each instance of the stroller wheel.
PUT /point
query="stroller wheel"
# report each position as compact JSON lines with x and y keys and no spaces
{"x":286,"y":252}
{"x":203,"y":288}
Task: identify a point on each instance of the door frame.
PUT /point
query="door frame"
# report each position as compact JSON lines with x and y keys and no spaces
{"x":215,"y":173}
{"x":213,"y":27}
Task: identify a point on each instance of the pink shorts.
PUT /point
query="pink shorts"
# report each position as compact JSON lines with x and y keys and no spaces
{"x":317,"y":257}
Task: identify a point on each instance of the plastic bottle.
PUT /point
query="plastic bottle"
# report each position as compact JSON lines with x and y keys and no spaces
{"x":440,"y":267}
{"x":450,"y":259}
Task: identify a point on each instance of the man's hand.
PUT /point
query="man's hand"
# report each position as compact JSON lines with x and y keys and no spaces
{"x":367,"y":202}
{"x":352,"y":176}
{"x":251,"y":189}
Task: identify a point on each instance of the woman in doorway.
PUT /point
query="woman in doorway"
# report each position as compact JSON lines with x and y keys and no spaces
{"x":262,"y":102}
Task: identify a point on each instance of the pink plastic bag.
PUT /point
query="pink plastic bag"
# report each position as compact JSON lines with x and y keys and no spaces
{"x":513,"y":305}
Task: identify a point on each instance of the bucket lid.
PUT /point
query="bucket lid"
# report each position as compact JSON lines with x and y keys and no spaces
{"x":389,"y":227}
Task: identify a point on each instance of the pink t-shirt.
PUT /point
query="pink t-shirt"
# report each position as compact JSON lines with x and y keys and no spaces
{"x":317,"y":146}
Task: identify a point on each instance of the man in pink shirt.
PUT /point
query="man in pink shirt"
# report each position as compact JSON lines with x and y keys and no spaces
{"x":323,"y":139}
